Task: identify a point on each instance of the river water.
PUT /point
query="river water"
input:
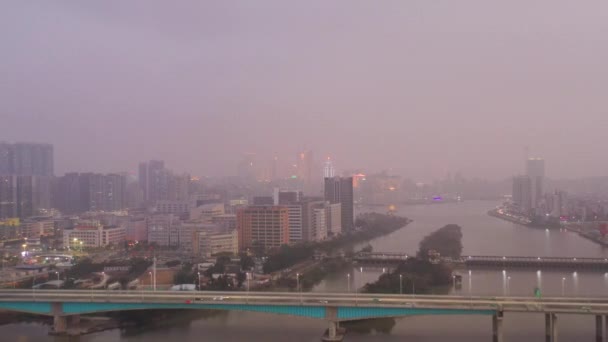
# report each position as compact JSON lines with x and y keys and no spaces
{"x":482,"y":235}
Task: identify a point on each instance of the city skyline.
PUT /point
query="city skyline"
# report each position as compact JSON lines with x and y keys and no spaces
{"x":199,"y":90}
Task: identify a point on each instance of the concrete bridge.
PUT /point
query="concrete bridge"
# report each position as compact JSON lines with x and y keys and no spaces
{"x":599,"y":264}
{"x":66,"y":306}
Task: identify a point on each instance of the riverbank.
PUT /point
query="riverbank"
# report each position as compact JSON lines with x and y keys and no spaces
{"x":330,"y":256}
{"x":90,"y":325}
{"x":498,"y":213}
{"x":587,"y":235}
{"x":369,"y":227}
{"x":86,"y":325}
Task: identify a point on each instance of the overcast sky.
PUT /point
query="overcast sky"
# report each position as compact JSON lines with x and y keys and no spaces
{"x":423,"y":87}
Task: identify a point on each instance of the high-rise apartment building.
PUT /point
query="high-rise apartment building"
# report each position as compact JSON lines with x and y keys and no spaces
{"x":18,"y":196}
{"x":318,"y":226}
{"x":305,"y":167}
{"x":334,"y":219}
{"x":328,"y":169}
{"x":535,"y":169}
{"x":263,"y":227}
{"x":26,"y":159}
{"x":295,"y":222}
{"x":288,"y":197}
{"x":161,"y":184}
{"x":67,"y":194}
{"x":153,"y":179}
{"x":26,"y":170}
{"x":76,"y":193}
{"x":340,"y":190}
{"x":522,"y":194}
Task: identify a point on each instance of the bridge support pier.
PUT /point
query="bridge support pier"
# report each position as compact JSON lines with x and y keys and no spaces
{"x":550,"y":327}
{"x":606,"y":326}
{"x":60,"y":324}
{"x":599,"y":329}
{"x":497,"y":327}
{"x":334,"y":333}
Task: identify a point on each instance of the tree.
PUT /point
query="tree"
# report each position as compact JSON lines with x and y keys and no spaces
{"x":447,"y":241}
{"x":247,"y":262}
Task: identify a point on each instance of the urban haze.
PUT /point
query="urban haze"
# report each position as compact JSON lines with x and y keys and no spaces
{"x":421,"y":88}
{"x":323,"y":170}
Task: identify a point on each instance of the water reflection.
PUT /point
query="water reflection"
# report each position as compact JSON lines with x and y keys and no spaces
{"x":371,"y":326}
{"x":489,"y":282}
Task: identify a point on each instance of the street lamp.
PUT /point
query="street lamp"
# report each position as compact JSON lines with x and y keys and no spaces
{"x":413,"y":286}
{"x":563,"y":286}
{"x":247,"y":277}
{"x":150,"y":273}
{"x":356,"y":287}
{"x":401,"y":284}
{"x":298,"y":285}
{"x":348,"y":281}
{"x":470,"y":282}
{"x":199,"y":281}
{"x":24,"y":246}
{"x":80,"y":246}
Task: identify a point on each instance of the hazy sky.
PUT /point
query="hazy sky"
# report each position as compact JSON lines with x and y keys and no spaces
{"x":423,"y":87}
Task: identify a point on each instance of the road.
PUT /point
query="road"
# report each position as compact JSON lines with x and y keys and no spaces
{"x":598,"y":306}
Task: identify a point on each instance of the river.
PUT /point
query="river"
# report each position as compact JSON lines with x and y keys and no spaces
{"x":482,"y":235}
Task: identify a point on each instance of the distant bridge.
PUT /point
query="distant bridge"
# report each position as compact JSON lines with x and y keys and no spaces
{"x":332,"y":307}
{"x":379,"y":258}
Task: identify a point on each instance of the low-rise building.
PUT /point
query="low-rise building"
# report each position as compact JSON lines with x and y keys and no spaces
{"x":36,"y":227}
{"x":172,"y":207}
{"x":206,"y":212}
{"x":137,"y":229}
{"x":92,"y":234}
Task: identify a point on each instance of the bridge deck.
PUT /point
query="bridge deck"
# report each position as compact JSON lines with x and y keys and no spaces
{"x":312,"y":305}
{"x":498,"y":261}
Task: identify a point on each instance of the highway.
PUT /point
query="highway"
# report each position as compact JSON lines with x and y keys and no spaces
{"x":596,"y":306}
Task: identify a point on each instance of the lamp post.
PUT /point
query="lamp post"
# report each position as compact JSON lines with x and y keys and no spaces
{"x":150,"y":273}
{"x":199,"y":280}
{"x":413,"y":287}
{"x":454,"y":283}
{"x":563,"y":286}
{"x":24,"y":246}
{"x":470,"y":282}
{"x":348,"y":281}
{"x":401,"y":284}
{"x":356,"y":287}
{"x":298,"y":286}
{"x":247,"y":278}
{"x":75,"y":243}
{"x":80,"y":246}
{"x":154,"y":271}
